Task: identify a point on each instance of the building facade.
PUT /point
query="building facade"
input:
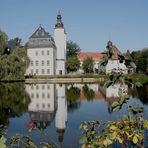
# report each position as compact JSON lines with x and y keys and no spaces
{"x":47,"y":54}
{"x":96,"y":57}
{"x":114,"y":63}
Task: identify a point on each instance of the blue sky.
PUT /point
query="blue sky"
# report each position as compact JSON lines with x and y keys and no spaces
{"x":90,"y":23}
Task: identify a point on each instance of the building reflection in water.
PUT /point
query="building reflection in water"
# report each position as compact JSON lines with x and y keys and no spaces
{"x":111,"y":93}
{"x":61,"y":113}
{"x":48,"y":101}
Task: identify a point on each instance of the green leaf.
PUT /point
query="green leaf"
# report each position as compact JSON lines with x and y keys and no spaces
{"x":145,"y":124}
{"x":83,"y":140}
{"x":132,"y":64}
{"x":115,"y":103}
{"x":113,"y":127}
{"x":135,"y":139}
{"x":2,"y":142}
{"x":138,"y":84}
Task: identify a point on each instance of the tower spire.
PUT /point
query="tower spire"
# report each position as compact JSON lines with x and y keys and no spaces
{"x":59,"y":23}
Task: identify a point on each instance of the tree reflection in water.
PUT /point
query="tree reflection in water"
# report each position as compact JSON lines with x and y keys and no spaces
{"x":140,"y":93}
{"x":73,"y":95}
{"x":14,"y":101}
{"x":88,"y":92}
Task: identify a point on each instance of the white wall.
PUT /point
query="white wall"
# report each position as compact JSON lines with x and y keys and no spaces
{"x":115,"y":64}
{"x":32,"y":54}
{"x":60,"y":41}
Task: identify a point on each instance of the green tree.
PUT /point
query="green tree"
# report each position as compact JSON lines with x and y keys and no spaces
{"x":13,"y":66}
{"x":88,"y":65}
{"x":141,"y":60}
{"x":72,"y":64}
{"x":72,"y":48}
{"x":3,"y":41}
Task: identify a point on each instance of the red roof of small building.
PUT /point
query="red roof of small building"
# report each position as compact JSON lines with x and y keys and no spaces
{"x":117,"y":52}
{"x":96,"y":56}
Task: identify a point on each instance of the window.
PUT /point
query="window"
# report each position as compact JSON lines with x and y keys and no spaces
{"x":48,"y":52}
{"x":42,"y":71}
{"x":48,"y":71}
{"x":36,"y":53}
{"x":37,"y":71}
{"x":42,"y":63}
{"x":42,"y":52}
{"x":48,"y":62}
{"x":37,"y":95}
{"x":48,"y":105}
{"x":43,"y":96}
{"x":31,"y":63}
{"x":37,"y":63}
{"x":48,"y":95}
{"x":43,"y":105}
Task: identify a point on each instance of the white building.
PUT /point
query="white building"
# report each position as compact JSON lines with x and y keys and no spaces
{"x":47,"y":54}
{"x":114,"y":63}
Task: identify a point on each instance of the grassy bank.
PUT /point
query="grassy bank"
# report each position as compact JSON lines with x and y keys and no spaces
{"x":142,"y":78}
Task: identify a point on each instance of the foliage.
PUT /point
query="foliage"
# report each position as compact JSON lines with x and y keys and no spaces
{"x":140,"y":93}
{"x":73,"y":93}
{"x":88,"y":65}
{"x":128,"y":131}
{"x":3,"y":41}
{"x":14,"y":101}
{"x":72,"y":64}
{"x":2,"y":142}
{"x":13,"y":66}
{"x":88,"y":93}
{"x":141,"y":60}
{"x":72,"y":49}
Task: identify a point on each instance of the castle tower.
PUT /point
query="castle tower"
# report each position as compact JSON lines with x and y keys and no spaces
{"x":60,"y":42}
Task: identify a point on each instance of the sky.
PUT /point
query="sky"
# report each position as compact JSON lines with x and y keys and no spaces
{"x":89,"y":23}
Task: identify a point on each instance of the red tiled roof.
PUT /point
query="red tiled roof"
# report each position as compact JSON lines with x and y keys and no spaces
{"x":116,"y":53}
{"x":96,"y":56}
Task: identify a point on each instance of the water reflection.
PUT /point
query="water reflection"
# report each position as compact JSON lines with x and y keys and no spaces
{"x":49,"y":104}
{"x":115,"y":93}
{"x":140,"y":92}
{"x":48,"y":101}
{"x":61,"y":114}
{"x":43,"y":104}
{"x":14,"y":101}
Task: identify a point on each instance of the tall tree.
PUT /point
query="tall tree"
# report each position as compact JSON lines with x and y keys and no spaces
{"x":141,"y":60}
{"x":3,"y":41}
{"x":88,"y":65}
{"x":72,"y":48}
{"x":72,"y":64}
{"x":13,"y":66}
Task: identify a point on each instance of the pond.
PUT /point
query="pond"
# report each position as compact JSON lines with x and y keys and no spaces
{"x":59,"y":109}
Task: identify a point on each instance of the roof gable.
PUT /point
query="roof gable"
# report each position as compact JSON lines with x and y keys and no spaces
{"x":40,"y":33}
